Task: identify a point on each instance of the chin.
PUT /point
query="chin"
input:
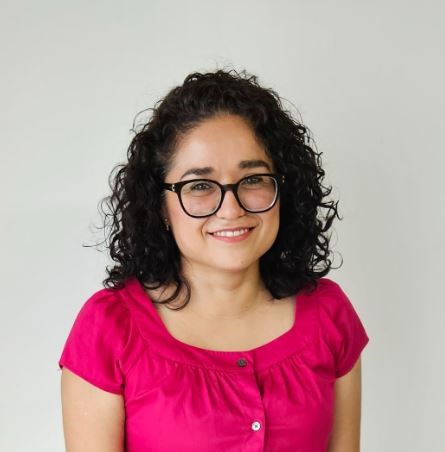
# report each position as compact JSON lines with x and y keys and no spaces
{"x":231,"y":265}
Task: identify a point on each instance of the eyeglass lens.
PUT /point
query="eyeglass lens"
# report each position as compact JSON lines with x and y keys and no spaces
{"x":256,"y":193}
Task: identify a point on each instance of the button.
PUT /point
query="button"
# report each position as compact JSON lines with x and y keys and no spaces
{"x":256,"y":426}
{"x":242,"y":362}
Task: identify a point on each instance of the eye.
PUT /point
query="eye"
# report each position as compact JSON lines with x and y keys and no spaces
{"x":253,"y":180}
{"x":200,"y":186}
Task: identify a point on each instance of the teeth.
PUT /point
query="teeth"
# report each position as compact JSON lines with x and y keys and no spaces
{"x":230,"y":233}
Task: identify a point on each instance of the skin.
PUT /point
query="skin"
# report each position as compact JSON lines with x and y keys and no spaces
{"x":345,"y":436}
{"x":94,"y":419}
{"x":219,"y":271}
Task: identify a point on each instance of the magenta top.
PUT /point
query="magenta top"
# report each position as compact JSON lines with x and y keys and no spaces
{"x":178,"y":397}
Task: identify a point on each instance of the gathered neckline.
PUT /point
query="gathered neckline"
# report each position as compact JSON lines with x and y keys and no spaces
{"x":154,"y":331}
{"x":237,"y":352}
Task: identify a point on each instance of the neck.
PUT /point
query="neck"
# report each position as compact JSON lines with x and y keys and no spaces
{"x":219,"y":295}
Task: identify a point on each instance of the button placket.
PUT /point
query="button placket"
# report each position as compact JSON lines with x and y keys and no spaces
{"x":253,"y":402}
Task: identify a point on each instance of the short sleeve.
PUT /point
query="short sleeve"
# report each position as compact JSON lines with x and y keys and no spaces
{"x":341,"y":327}
{"x":97,"y":340}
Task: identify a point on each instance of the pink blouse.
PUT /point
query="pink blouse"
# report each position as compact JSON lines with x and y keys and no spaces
{"x":178,"y":397}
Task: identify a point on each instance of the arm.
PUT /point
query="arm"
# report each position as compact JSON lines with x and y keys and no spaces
{"x":345,"y":436}
{"x":93,"y":419}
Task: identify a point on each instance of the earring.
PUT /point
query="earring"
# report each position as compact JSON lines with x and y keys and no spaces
{"x":167,"y":226}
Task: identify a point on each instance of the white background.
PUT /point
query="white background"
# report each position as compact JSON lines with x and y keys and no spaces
{"x":367,"y":78}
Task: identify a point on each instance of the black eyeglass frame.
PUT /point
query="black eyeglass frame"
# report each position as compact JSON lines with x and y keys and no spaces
{"x":176,"y":187}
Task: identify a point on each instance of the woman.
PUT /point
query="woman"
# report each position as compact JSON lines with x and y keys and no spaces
{"x":217,"y":329}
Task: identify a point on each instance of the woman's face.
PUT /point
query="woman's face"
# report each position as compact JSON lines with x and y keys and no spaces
{"x":224,"y":149}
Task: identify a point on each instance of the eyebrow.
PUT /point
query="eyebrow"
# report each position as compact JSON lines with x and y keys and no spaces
{"x":244,"y":164}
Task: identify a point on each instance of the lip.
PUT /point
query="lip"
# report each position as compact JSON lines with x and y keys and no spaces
{"x":233,"y":239}
{"x":231,"y":229}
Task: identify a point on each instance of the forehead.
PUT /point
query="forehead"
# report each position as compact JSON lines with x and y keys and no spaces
{"x":223,"y":143}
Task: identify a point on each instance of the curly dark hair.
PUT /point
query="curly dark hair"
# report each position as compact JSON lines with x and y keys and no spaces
{"x":138,"y":241}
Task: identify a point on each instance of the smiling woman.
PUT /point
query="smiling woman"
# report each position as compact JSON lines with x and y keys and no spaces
{"x":217,"y":328}
{"x":226,"y":145}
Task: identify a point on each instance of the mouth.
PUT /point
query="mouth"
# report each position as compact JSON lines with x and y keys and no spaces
{"x":227,"y":234}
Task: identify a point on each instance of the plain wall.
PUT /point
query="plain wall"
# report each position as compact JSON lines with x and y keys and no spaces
{"x":367,"y":78}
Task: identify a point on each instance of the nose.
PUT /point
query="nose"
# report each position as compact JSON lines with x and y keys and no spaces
{"x":230,"y":207}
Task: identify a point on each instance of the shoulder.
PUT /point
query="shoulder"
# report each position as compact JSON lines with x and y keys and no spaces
{"x":105,"y":313}
{"x":331,"y":297}
{"x":333,"y":302}
{"x":327,"y":296}
{"x":105,"y":304}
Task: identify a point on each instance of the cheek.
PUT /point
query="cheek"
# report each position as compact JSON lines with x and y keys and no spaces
{"x":272,"y":226}
{"x":273,"y":219}
{"x":187,"y":231}
{"x":189,"y":239}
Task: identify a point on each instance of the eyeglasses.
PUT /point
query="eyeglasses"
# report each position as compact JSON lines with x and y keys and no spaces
{"x":203,"y":197}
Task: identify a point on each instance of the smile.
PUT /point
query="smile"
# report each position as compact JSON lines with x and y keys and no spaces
{"x":231,"y":233}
